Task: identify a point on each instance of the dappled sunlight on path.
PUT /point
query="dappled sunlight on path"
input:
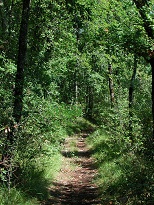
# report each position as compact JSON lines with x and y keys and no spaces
{"x":74,"y":183}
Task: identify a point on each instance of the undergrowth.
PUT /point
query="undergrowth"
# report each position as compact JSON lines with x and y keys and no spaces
{"x":31,"y":179}
{"x":15,"y":197}
{"x":36,"y":157}
{"x":125,"y":176}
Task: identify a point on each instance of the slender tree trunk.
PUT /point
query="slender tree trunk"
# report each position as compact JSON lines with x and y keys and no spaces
{"x":10,"y":25}
{"x":3,"y":22}
{"x":148,"y":26}
{"x":140,"y":4}
{"x":131,"y":97}
{"x":89,"y":103}
{"x":111,"y":85}
{"x":152,"y":67}
{"x":19,"y":80}
{"x":76,"y":92}
{"x":74,"y":87}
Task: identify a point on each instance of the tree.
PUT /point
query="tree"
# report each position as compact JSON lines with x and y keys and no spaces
{"x":111,"y":87}
{"x":131,"y":96}
{"x":143,"y":6}
{"x":19,"y":80}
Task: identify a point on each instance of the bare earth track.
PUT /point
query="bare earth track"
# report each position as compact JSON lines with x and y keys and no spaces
{"x":74,"y":184}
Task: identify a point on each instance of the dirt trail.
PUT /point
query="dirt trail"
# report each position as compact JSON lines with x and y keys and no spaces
{"x":74,"y":184}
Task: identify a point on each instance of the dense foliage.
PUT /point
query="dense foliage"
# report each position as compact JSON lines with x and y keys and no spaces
{"x":91,"y":59}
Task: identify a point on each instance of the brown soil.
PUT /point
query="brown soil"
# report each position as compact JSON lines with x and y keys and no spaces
{"x":74,"y":184}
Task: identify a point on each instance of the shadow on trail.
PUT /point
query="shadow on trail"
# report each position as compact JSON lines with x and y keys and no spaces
{"x":70,"y":194}
{"x":70,"y":154}
{"x":79,"y":188}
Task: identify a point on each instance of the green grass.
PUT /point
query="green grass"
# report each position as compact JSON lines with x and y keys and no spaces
{"x":34,"y":178}
{"x":15,"y":197}
{"x":124,"y":176}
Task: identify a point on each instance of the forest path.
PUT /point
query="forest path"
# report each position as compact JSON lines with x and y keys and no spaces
{"x":74,"y":184}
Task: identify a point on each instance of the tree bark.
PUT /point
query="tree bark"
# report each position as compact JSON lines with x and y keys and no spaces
{"x":19,"y":80}
{"x":111,"y":86}
{"x":131,"y":97}
{"x":147,"y":23}
{"x":140,"y":4}
{"x":89,"y":103}
{"x":19,"y":83}
{"x":152,"y":67}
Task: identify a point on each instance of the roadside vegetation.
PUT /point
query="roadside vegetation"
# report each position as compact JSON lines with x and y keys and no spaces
{"x":37,"y":154}
{"x":125,"y":174}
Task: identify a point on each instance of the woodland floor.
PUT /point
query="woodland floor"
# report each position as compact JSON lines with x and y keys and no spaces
{"x":74,"y":184}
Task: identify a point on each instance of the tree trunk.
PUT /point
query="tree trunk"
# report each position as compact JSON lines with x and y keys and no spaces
{"x":152,"y":67}
{"x":111,"y":86}
{"x":19,"y":83}
{"x":89,"y":103}
{"x":131,"y":91}
{"x":148,"y":26}
{"x":140,"y":4}
{"x":19,"y":80}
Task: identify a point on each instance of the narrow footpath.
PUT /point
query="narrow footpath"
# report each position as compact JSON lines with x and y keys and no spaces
{"x":74,"y":184}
